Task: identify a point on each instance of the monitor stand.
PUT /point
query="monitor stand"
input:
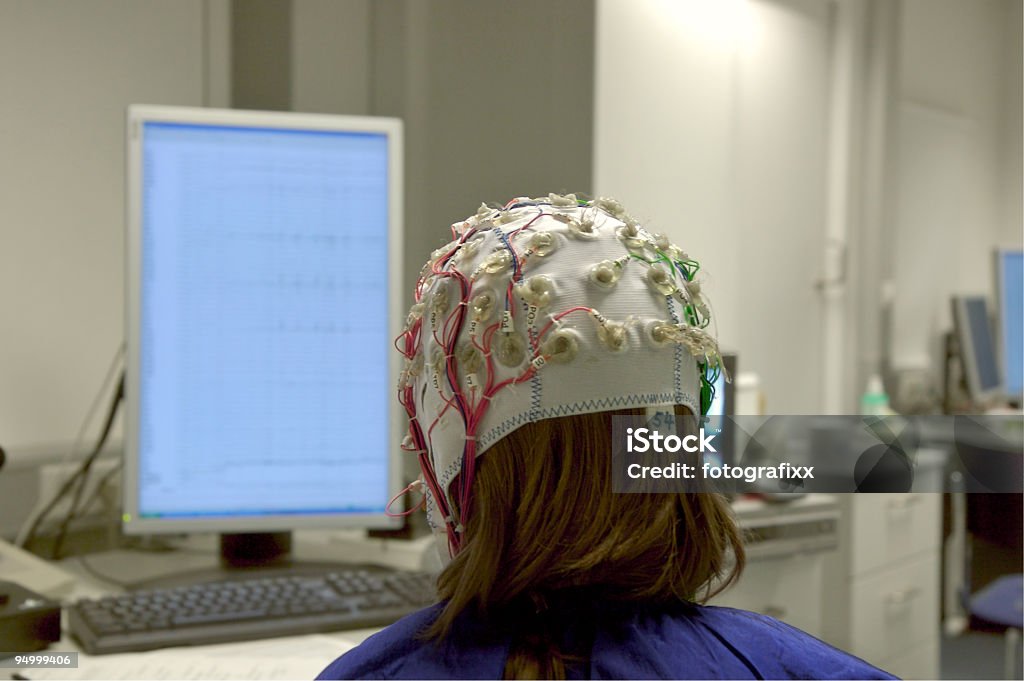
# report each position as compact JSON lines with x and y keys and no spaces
{"x":244,"y":555}
{"x":255,"y":550}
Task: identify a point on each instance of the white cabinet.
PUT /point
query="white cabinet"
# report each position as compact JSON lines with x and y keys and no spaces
{"x":786,"y":545}
{"x":881,"y":597}
{"x":894,"y":610}
{"x":860,"y":571}
{"x":781,"y":587}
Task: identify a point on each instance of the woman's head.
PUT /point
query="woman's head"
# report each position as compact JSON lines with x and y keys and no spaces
{"x":538,"y":324}
{"x":541,"y":309}
{"x":546,"y":531}
{"x":543,"y":518}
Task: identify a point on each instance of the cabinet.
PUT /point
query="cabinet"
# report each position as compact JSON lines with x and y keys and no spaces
{"x":881,"y":596}
{"x":787,"y":545}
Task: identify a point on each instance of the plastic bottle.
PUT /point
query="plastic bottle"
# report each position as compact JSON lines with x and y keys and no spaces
{"x":874,"y":401}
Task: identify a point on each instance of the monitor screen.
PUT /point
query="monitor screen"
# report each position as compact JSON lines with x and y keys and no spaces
{"x":1010,"y":293}
{"x":720,"y":412}
{"x":262,"y":302}
{"x":977,"y":348}
{"x":721,"y":404}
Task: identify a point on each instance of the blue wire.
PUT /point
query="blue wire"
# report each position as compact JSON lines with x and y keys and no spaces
{"x":515,"y":260}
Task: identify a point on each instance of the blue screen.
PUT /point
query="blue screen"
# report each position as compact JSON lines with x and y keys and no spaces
{"x":981,"y":339}
{"x":1011,"y":316}
{"x":263,"y":380}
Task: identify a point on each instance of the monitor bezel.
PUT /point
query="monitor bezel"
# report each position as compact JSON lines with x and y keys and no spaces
{"x":999,"y":255}
{"x":137,"y":115}
{"x":728,"y":433}
{"x":968,"y":356}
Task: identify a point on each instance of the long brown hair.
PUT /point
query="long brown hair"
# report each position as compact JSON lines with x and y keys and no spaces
{"x":544,"y":521}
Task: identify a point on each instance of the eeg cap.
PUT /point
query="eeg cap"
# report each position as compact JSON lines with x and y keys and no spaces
{"x":544,"y":308}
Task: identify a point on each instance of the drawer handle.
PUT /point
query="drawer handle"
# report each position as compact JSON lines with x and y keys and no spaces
{"x":902,"y":596}
{"x":903,"y":503}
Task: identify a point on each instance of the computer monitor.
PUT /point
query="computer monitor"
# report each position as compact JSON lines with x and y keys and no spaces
{"x":1010,"y":305}
{"x":721,"y":411}
{"x":263,"y":296}
{"x":977,"y":348}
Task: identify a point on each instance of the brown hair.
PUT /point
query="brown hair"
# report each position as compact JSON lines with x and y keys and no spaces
{"x":544,"y":521}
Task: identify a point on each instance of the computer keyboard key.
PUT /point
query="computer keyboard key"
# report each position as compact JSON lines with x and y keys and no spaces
{"x":214,"y":617}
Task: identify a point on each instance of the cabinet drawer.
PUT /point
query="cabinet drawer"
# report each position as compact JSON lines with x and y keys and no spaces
{"x":889,"y":527}
{"x":921,"y":662}
{"x":895,"y":610}
{"x":789,"y":589}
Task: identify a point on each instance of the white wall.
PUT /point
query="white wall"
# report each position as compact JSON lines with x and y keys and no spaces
{"x":717,"y":122}
{"x":958,"y":172}
{"x":671,"y":124}
{"x":711,"y":124}
{"x":68,"y":70}
{"x":664,"y":120}
{"x":782,"y":156}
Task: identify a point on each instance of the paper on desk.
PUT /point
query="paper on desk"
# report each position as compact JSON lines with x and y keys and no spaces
{"x":290,"y":658}
{"x":153,"y":668}
{"x":310,"y":645}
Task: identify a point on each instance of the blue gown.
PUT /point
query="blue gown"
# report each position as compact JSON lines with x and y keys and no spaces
{"x":683,"y":641}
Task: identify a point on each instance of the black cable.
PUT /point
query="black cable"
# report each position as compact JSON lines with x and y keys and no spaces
{"x":98,"y":489}
{"x":27,"y":531}
{"x":82,"y":474}
{"x":30,"y":535}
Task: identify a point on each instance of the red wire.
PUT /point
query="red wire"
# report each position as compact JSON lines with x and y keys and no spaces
{"x":529,"y":224}
{"x":417,"y":507}
{"x":558,"y":316}
{"x":475,"y":407}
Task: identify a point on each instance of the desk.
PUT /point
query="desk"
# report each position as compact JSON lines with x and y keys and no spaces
{"x":289,"y":657}
{"x":794,"y":533}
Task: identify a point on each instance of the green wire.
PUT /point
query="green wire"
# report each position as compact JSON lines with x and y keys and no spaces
{"x":707,"y":390}
{"x":690,"y":269}
{"x":708,"y":375}
{"x":691,"y":315}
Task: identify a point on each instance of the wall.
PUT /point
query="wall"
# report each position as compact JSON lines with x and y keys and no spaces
{"x":61,"y":261}
{"x":1012,"y":119}
{"x":261,"y":54}
{"x":719,"y":121}
{"x":497,"y":100}
{"x":68,"y":71}
{"x":958,"y":169}
{"x":496,"y":97}
{"x":711,"y":123}
{"x":330,"y":61}
{"x":301,"y":55}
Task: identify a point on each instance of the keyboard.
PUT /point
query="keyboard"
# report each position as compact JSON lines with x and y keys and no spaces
{"x":244,"y":608}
